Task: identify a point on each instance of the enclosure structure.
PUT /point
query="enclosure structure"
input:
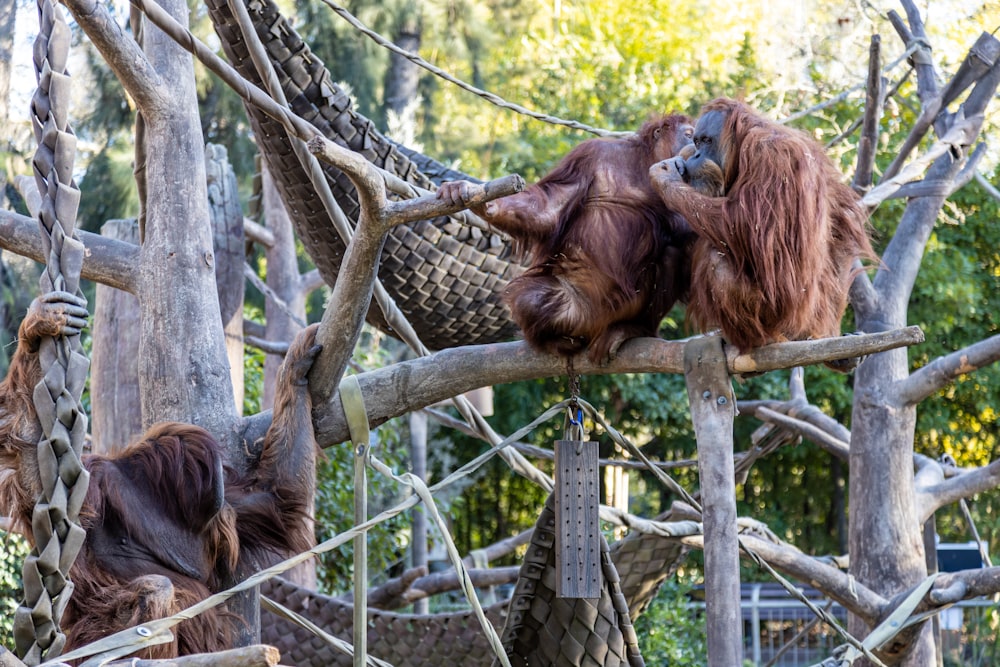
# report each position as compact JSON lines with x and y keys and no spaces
{"x":353,"y":266}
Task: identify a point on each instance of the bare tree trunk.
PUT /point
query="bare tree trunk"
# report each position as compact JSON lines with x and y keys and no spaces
{"x":227,"y":224}
{"x":418,"y":466}
{"x":283,"y":279}
{"x":114,"y":369}
{"x":402,"y":76}
{"x":7,"y":317}
{"x":183,"y":367}
{"x":885,"y":540}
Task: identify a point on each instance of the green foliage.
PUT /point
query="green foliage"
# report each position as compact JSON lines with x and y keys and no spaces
{"x":13,"y":551}
{"x":335,"y":511}
{"x":335,"y":491}
{"x":669,"y":632}
{"x":977,"y":643}
{"x":107,"y":189}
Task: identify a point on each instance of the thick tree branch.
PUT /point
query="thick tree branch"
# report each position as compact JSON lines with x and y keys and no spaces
{"x":956,"y":141}
{"x":106,"y":261}
{"x":417,"y":383}
{"x":943,"y":371}
{"x":122,"y":53}
{"x":258,"y":655}
{"x":251,"y":94}
{"x":934,"y":491}
{"x":903,"y":255}
{"x":946,"y":590}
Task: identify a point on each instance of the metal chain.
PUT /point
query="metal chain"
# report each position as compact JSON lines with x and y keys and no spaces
{"x":55,"y":521}
{"x":573,"y":426}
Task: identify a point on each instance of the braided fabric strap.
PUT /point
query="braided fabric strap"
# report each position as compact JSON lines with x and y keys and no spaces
{"x":55,"y":522}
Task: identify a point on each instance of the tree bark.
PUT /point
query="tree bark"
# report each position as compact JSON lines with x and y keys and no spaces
{"x":283,"y":279}
{"x":114,"y":371}
{"x":228,"y":243}
{"x":403,"y":76}
{"x":183,"y":367}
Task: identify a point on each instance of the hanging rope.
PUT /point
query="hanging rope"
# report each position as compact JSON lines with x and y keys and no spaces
{"x":55,"y":522}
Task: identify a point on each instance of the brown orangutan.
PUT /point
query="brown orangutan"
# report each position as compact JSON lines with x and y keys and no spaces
{"x":167,"y":522}
{"x":777,"y":231}
{"x":607,"y":258}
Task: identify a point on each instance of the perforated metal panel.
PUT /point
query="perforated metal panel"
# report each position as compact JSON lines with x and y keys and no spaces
{"x":578,"y":532}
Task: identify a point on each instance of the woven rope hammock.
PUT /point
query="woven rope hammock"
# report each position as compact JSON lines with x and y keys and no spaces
{"x":445,"y":277}
{"x":586,"y":632}
{"x":64,"y":481}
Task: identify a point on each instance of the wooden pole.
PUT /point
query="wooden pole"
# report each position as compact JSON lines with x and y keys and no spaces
{"x":360,"y":556}
{"x":712,"y":411}
{"x":418,"y":466}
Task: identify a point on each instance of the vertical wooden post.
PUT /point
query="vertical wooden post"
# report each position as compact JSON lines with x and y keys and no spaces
{"x":578,"y":531}
{"x":712,"y":411}
{"x":418,"y":466}
{"x":360,"y":556}
{"x":114,"y":370}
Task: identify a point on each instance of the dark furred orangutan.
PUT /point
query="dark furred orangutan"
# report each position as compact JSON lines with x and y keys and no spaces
{"x":607,"y":258}
{"x":778,"y":232}
{"x":167,"y":522}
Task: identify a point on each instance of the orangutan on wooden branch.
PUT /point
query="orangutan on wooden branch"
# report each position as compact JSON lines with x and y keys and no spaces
{"x":778,"y":232}
{"x":167,"y":522}
{"x":607,"y":259}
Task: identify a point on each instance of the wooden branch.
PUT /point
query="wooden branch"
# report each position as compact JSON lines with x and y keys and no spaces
{"x":429,"y":206}
{"x":963,"y":585}
{"x":414,"y":384}
{"x":955,"y":142}
{"x":713,"y":409}
{"x":945,"y":370}
{"x":931,"y":498}
{"x":311,"y":281}
{"x":915,"y":34}
{"x":8,"y":659}
{"x":393,"y":597}
{"x":106,"y":261}
{"x":270,"y":347}
{"x":980,"y":59}
{"x":834,"y":583}
{"x":122,"y":53}
{"x":946,"y":590}
{"x":352,"y":293}
{"x":258,"y":233}
{"x":862,"y":295}
{"x":259,"y":655}
{"x":874,"y":100}
{"x":824,"y":440}
{"x":807,"y":352}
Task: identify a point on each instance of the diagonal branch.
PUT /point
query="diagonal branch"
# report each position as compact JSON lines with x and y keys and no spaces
{"x":934,"y":492}
{"x":352,"y":293}
{"x":943,"y":371}
{"x":122,"y":53}
{"x":834,"y":583}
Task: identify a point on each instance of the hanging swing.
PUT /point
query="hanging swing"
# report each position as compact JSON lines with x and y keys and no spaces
{"x":55,"y":521}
